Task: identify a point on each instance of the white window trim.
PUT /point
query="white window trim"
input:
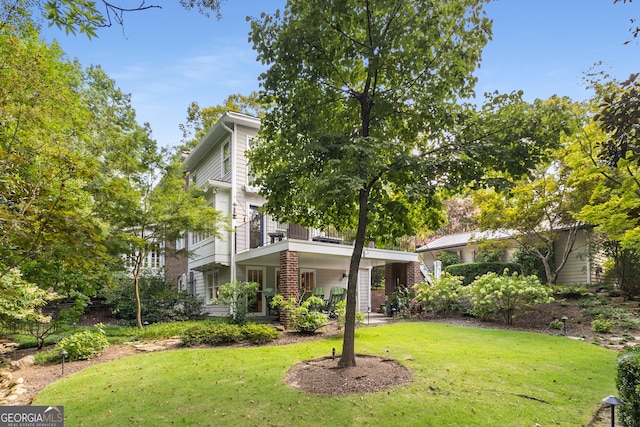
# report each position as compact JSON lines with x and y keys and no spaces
{"x":263,"y":285}
{"x":315,"y":278}
{"x":226,"y":143}
{"x":212,"y":286}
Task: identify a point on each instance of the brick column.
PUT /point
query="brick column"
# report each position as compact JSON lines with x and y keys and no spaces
{"x":288,"y":278}
{"x":413,"y":274}
{"x":389,"y":284}
{"x":404,"y":274}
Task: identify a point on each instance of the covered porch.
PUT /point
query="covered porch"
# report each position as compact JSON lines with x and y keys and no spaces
{"x":299,"y":268}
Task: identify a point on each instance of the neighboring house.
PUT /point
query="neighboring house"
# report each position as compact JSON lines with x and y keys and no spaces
{"x":583,"y":266}
{"x":287,"y":258}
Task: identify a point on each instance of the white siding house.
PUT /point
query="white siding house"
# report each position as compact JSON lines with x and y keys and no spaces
{"x":285,"y":257}
{"x":583,"y":266}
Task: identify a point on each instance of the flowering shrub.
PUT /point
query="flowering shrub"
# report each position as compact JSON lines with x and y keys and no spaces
{"x":507,"y":295}
{"x":443,"y":297}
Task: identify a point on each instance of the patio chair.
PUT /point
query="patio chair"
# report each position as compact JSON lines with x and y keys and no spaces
{"x":269,"y":293}
{"x":335,"y":296}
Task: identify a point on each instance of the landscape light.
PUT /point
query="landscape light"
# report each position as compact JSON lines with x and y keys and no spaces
{"x":63,"y":353}
{"x":564,"y":325}
{"x":613,"y":402}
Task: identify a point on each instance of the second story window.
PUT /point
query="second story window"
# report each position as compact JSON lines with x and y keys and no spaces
{"x":226,"y":158}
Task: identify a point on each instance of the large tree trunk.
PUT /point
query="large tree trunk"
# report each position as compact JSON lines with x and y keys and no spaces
{"x":348,"y":357}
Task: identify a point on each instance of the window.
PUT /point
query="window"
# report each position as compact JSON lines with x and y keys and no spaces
{"x":212,"y":287}
{"x":226,"y":158}
{"x":180,"y":243}
{"x":250,"y":176}
{"x":182,"y":282}
{"x":197,"y":237}
{"x":256,"y":274}
{"x":153,"y":259}
{"x":194,"y":181}
{"x":307,"y":282}
{"x":256,"y":227}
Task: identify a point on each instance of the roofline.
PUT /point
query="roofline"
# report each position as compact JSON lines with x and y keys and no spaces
{"x":224,"y":125}
{"x":471,"y":240}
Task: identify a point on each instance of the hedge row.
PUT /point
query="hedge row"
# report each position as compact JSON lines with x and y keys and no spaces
{"x":226,"y":333}
{"x":470,"y":271}
{"x":628,"y":383}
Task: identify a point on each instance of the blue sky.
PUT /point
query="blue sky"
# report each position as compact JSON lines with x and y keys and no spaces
{"x":166,"y":58}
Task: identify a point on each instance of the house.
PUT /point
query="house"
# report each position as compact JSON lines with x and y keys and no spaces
{"x":287,"y":258}
{"x":583,"y":266}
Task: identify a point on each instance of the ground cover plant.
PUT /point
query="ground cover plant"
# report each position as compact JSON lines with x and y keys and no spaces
{"x":461,"y":376}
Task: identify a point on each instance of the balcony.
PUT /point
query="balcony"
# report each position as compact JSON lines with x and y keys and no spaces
{"x":263,"y":231}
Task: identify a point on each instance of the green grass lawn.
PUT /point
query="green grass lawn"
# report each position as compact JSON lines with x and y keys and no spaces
{"x":461,"y":377}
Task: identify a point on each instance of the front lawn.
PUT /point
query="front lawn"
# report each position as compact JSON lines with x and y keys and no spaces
{"x":461,"y":377}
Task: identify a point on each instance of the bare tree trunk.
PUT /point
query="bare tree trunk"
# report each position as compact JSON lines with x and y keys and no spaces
{"x":348,"y":357}
{"x":136,"y":290}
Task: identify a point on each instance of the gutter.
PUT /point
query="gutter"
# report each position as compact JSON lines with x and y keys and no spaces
{"x":232,"y":155}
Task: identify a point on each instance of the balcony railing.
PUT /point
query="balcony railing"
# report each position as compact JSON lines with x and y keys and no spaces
{"x":263,"y":230}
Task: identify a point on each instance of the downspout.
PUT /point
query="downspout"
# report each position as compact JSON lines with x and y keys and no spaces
{"x":369,"y":309}
{"x":232,"y":155}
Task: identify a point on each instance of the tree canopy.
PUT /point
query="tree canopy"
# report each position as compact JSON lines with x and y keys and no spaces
{"x":81,"y":181}
{"x":365,"y":127}
{"x":86,"y":16}
{"x":614,"y":156}
{"x":535,"y":211}
{"x":201,"y":119}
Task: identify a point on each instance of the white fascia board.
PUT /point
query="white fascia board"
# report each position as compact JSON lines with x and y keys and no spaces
{"x":217,"y":132}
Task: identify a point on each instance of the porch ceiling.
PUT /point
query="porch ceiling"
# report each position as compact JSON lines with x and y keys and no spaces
{"x":321,"y":255}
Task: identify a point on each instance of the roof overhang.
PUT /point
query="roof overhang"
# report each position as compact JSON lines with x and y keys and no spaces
{"x":224,"y":126}
{"x":322,"y":255}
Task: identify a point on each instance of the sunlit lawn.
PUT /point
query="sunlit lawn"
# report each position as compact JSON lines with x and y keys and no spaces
{"x":461,"y":377}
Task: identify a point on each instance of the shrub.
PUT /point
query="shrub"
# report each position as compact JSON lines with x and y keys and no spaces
{"x":341,"y":310}
{"x":472,"y":270}
{"x":526,"y":257}
{"x":506,"y":296}
{"x":403,"y":299}
{"x":556,"y":324}
{"x":570,"y":291}
{"x":160,"y":301}
{"x":602,"y":325}
{"x":597,"y":307}
{"x":225,"y":333}
{"x":303,"y":318}
{"x":448,"y":258}
{"x":83,"y":345}
{"x":47,"y":356}
{"x":196,"y":335}
{"x":258,"y":333}
{"x":212,"y":334}
{"x":443,"y":297}
{"x":628,"y":384}
{"x":238,"y":297}
{"x":489,"y":256}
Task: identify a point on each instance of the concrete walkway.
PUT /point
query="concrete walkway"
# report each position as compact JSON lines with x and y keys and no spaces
{"x":376,"y":319}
